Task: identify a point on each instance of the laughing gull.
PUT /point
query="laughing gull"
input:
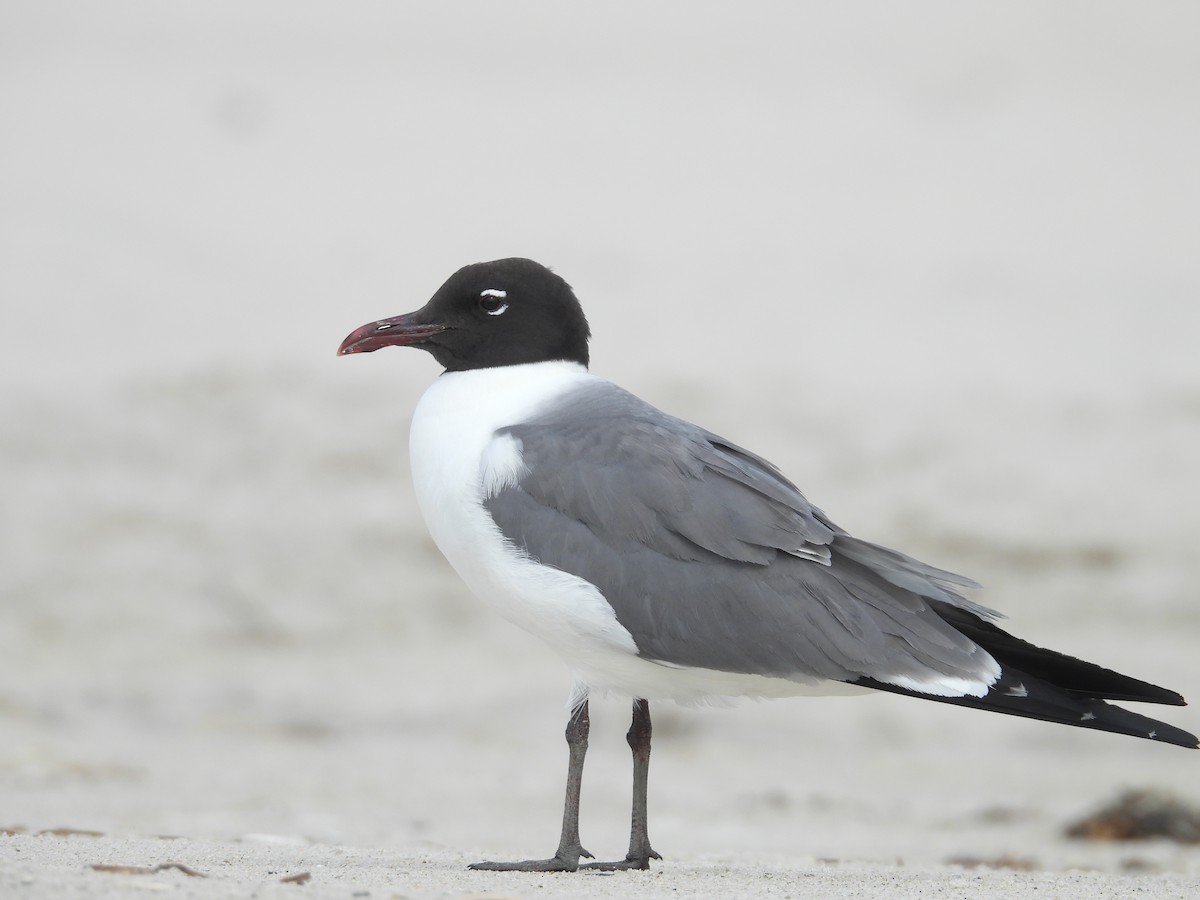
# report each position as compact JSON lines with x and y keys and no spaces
{"x":665,"y":562}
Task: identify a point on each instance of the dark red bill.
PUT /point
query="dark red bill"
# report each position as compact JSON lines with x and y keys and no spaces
{"x":400,"y":331}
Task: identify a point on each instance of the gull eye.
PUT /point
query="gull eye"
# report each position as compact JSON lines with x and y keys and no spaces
{"x":493,"y":302}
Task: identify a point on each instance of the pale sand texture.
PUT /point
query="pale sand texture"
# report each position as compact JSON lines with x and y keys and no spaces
{"x":941,"y":268}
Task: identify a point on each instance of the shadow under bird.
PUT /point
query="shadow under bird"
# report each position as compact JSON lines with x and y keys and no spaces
{"x":665,"y":562}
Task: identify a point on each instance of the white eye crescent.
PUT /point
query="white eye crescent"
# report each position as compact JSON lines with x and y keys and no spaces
{"x":493,"y":301}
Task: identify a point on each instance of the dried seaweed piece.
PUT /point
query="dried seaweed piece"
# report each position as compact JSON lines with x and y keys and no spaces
{"x":186,"y":870}
{"x":71,"y":832}
{"x":148,"y":870}
{"x":1016,"y":863}
{"x":1140,"y":815}
{"x":298,"y":878}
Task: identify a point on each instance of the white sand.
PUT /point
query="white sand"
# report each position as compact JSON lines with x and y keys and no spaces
{"x":963,"y":241}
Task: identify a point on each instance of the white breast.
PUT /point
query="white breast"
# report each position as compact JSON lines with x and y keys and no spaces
{"x":457,"y":460}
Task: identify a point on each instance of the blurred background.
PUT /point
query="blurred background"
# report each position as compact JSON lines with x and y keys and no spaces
{"x":937,"y":261}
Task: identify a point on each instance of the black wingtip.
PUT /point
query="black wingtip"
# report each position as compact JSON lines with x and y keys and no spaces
{"x":1078,"y":677}
{"x":1019,"y":694}
{"x":1169,"y":734}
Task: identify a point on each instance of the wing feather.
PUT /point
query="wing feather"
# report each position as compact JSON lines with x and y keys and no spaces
{"x":710,"y":557}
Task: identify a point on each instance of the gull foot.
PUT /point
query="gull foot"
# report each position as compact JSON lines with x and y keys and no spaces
{"x":562,"y":861}
{"x":633,"y":861}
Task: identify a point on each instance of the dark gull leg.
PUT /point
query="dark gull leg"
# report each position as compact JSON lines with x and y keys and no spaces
{"x":640,"y":852}
{"x":566,"y":858}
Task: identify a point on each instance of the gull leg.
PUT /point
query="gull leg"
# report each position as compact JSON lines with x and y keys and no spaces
{"x":640,"y":852}
{"x":566,"y":858}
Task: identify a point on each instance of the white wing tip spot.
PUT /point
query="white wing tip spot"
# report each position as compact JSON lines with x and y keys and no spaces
{"x":1087,"y":717}
{"x":944,"y":686}
{"x":1017,"y":690}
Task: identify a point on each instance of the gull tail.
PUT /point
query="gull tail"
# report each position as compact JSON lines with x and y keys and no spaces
{"x":1042,"y":684}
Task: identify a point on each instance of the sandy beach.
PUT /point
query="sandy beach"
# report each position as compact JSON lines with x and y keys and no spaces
{"x":938,"y":263}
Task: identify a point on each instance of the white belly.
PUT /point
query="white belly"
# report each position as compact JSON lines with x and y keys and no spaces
{"x":457,"y":460}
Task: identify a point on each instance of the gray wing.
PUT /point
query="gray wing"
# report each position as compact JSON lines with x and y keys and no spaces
{"x":710,"y":557}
